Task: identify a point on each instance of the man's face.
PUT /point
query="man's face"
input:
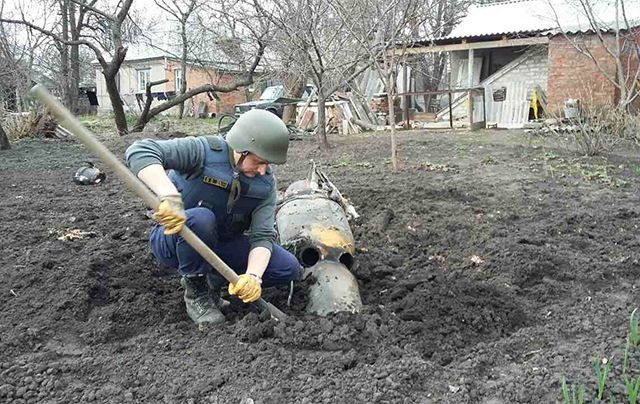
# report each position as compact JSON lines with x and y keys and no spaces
{"x":253,"y":165}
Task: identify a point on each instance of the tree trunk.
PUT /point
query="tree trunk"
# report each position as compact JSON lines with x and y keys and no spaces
{"x":183,"y":66}
{"x":392,"y":117}
{"x":296,"y":91}
{"x":4,"y":140}
{"x":74,"y":59}
{"x":322,"y":132}
{"x":116,"y":103}
{"x":144,"y":117}
{"x":64,"y":56}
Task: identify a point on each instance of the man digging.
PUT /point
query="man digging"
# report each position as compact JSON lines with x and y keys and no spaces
{"x":220,"y":189}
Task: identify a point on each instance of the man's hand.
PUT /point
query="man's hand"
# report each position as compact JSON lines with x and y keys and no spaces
{"x":247,"y":288}
{"x":170,"y":213}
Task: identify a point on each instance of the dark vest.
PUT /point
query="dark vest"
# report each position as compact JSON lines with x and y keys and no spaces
{"x":212,"y":187}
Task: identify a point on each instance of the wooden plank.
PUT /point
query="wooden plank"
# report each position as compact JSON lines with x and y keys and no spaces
{"x":307,"y":120}
{"x":471,"y":45}
{"x":304,"y":109}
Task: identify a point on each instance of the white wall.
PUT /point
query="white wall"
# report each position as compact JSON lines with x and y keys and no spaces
{"x":128,"y":82}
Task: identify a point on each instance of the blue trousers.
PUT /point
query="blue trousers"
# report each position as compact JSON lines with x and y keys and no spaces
{"x":174,"y":252}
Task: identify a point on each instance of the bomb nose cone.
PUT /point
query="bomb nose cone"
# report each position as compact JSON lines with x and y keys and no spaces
{"x":335,"y":289}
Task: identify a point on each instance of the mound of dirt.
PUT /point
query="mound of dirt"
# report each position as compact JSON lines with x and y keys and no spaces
{"x":483,"y":283}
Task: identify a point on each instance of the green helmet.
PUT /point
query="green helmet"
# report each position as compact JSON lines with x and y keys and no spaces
{"x":262,"y":133}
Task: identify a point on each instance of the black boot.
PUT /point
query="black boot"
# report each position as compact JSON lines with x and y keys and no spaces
{"x":217,"y":282}
{"x":201,"y":307}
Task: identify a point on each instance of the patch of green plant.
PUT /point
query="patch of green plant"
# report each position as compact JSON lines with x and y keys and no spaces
{"x":131,"y":119}
{"x":633,"y":329}
{"x":576,"y":396}
{"x":547,"y":156}
{"x":345,"y":160}
{"x":601,"y":374}
{"x":461,"y":148}
{"x":625,"y":357}
{"x":633,"y":389}
{"x":629,"y":377}
{"x":600,"y":173}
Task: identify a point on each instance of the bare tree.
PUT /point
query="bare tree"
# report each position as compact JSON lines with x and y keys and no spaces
{"x":381,"y":30}
{"x":100,"y":31}
{"x":619,"y":40}
{"x":436,"y":19}
{"x":20,"y":51}
{"x":318,"y":40}
{"x":181,"y":11}
{"x":211,"y":50}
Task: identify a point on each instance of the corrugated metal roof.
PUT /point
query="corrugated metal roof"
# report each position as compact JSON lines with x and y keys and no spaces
{"x":539,"y":16}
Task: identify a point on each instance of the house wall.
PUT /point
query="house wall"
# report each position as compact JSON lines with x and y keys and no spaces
{"x":165,"y":69}
{"x":197,"y":76}
{"x":574,"y":75}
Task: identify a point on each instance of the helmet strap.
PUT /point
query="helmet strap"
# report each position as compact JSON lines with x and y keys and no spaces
{"x":234,"y":194}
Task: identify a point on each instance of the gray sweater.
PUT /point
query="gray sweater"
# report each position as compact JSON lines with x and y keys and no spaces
{"x":186,"y":156}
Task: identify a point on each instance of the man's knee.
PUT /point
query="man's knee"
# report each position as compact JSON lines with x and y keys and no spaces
{"x":283,"y":267}
{"x":293,"y":267}
{"x":202,"y":222}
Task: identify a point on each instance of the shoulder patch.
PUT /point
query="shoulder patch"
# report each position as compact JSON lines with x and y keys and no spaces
{"x":215,"y":143}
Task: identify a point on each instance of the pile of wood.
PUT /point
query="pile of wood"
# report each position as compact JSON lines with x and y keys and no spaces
{"x":345,"y":114}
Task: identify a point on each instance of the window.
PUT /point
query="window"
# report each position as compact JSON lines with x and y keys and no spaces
{"x":179,"y":80}
{"x":144,"y":76}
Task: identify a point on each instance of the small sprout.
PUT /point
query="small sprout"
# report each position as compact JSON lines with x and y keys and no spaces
{"x":576,"y":397}
{"x":601,"y":374}
{"x":633,"y":389}
{"x":633,"y":329}
{"x":625,"y":360}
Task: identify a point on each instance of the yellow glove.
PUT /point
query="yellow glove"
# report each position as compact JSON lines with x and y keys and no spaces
{"x":247,"y":288}
{"x":170,"y":213}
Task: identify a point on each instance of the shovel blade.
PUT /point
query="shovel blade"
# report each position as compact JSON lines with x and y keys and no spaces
{"x":335,"y":290}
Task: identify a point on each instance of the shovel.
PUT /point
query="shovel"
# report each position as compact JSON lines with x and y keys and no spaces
{"x":126,"y":176}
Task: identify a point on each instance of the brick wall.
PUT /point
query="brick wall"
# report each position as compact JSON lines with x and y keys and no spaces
{"x":196,"y":77}
{"x":574,"y":75}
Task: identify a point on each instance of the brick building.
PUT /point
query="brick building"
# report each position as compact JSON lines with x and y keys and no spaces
{"x":143,"y":65}
{"x":515,"y":48}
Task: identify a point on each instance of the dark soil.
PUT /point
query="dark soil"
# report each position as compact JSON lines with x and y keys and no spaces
{"x":554,"y":276}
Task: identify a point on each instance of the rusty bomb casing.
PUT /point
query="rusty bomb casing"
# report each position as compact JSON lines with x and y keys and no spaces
{"x":315,"y":228}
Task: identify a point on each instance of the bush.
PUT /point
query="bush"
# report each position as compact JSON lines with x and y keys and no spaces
{"x":21,"y":125}
{"x":598,"y":129}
